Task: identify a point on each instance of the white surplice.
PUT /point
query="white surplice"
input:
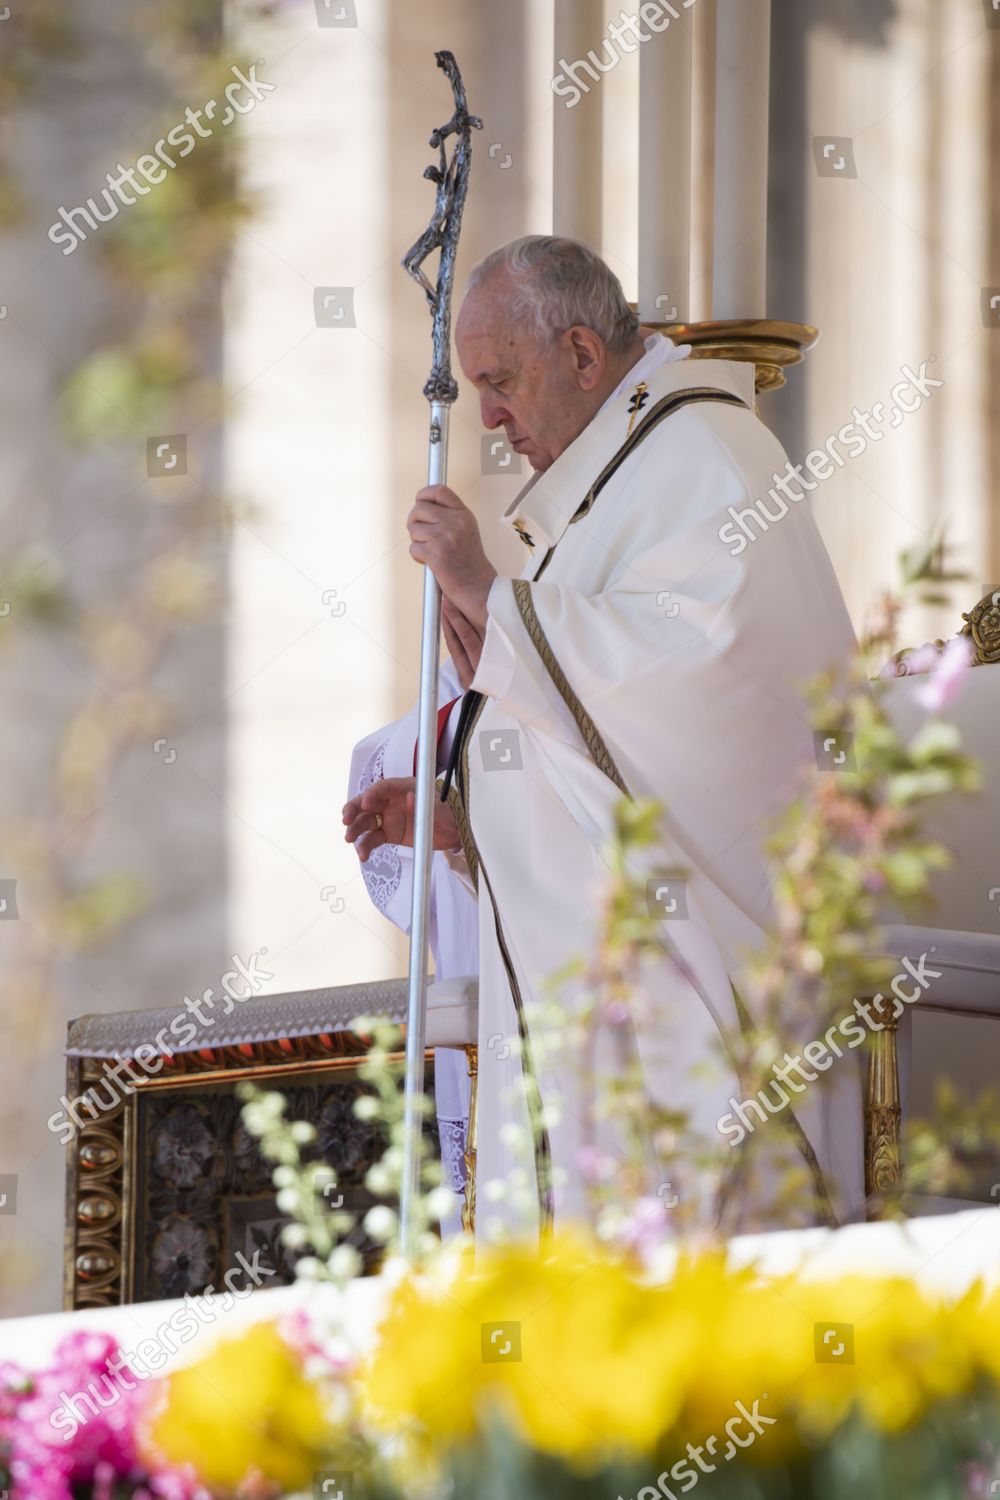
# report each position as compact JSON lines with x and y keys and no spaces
{"x":453,"y":935}
{"x":637,"y":654}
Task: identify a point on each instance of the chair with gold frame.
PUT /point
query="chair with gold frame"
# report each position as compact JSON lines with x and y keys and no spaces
{"x":967,"y":896}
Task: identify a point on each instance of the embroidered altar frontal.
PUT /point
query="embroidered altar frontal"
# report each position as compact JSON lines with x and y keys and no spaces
{"x":166,"y":1191}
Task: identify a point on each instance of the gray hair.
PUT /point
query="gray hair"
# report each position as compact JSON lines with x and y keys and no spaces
{"x":559,"y":284}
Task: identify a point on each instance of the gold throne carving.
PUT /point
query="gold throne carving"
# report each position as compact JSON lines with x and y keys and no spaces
{"x":883,"y":1112}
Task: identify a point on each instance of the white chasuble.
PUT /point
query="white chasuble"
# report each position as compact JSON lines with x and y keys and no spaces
{"x":637,"y":656}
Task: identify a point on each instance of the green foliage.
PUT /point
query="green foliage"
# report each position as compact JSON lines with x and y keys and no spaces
{"x":98,"y":910}
{"x":949,"y":1153}
{"x":936,"y":1460}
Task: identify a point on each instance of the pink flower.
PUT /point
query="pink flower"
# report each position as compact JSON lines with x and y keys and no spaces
{"x":74,"y":1424}
{"x":645,"y":1229}
{"x":595,"y":1165}
{"x":979,"y":1481}
{"x":913,"y":663}
{"x":298,"y":1330}
{"x":945,"y":682}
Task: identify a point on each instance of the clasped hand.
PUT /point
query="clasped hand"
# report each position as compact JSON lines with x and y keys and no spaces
{"x":444,"y":534}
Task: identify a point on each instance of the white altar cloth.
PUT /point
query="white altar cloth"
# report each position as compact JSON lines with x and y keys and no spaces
{"x":944,"y":1254}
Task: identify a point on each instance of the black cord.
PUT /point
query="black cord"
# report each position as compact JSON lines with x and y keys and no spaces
{"x":470,"y":702}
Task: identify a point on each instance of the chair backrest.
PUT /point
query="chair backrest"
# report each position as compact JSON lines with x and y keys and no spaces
{"x":967,"y":895}
{"x":956,"y":1033}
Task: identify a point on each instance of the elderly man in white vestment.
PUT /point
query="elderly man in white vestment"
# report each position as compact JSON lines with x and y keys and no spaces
{"x":635,"y":656}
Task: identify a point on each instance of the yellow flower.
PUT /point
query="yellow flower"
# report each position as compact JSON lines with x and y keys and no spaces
{"x":586,"y":1361}
{"x":746,"y":1339}
{"x":562,"y":1345}
{"x":246,"y":1409}
{"x":906,"y":1351}
{"x":600,"y":1363}
{"x":977,"y":1328}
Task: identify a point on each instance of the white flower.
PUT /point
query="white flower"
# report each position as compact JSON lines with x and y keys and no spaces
{"x":440,"y":1202}
{"x":310,"y":1269}
{"x":344,"y":1263}
{"x":378,"y":1180}
{"x":380,"y":1222}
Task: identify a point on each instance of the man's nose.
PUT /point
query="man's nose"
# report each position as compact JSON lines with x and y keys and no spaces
{"x":493,"y":411}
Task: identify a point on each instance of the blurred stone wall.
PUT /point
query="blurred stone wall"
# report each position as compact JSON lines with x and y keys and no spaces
{"x":113,"y":754}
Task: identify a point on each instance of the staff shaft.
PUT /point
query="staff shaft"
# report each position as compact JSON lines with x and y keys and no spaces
{"x":452,"y":178}
{"x":423,"y":850}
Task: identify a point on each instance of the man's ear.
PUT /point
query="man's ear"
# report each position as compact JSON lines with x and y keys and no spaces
{"x":589,"y":356}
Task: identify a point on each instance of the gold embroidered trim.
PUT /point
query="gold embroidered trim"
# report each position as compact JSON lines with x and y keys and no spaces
{"x":457,"y":797}
{"x":591,"y":735}
{"x":464,"y":832}
{"x":599,"y":752}
{"x":462,"y":768}
{"x":542,"y":1144}
{"x":665,"y":407}
{"x":533,"y":1095}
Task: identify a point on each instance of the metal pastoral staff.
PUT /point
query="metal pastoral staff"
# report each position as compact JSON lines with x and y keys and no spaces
{"x":441,"y":390}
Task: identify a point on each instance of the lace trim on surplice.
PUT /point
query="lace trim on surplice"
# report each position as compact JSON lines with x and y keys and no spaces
{"x":453,"y":1139}
{"x":383,"y":869}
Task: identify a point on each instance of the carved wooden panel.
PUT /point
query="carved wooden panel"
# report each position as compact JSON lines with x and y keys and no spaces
{"x":165,"y":1185}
